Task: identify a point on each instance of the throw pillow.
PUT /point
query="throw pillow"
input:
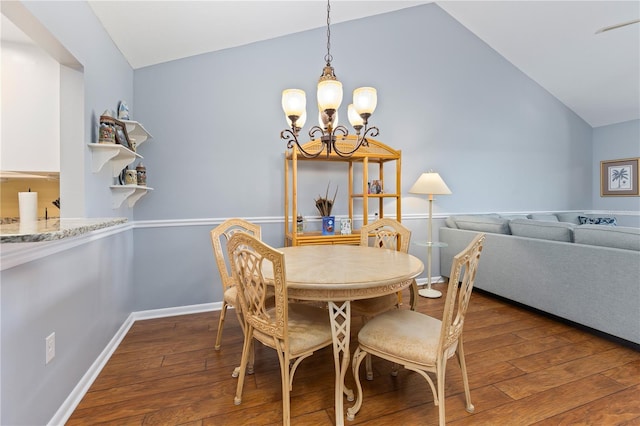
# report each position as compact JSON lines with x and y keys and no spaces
{"x":584,"y":220}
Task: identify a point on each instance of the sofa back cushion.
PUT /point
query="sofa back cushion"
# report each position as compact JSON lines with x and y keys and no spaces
{"x":545,"y":230}
{"x":547,"y":217}
{"x":482,"y":223}
{"x":606,"y":236}
{"x":570,"y":217}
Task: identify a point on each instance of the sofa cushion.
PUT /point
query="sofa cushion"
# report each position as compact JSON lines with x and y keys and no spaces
{"x":570,"y":217}
{"x":586,"y":220}
{"x":545,"y":230}
{"x":619,"y":237}
{"x":514,"y":216}
{"x":483,"y":223}
{"x":450,"y":222}
{"x":547,"y":217}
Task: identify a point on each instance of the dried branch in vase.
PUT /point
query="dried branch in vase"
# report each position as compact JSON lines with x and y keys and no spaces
{"x":324,"y":205}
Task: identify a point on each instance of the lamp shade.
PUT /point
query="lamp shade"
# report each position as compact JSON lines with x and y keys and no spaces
{"x":354,"y":117}
{"x":301,"y":120}
{"x":430,"y":183}
{"x":365,"y":100}
{"x":294,"y":102}
{"x":329,"y":94}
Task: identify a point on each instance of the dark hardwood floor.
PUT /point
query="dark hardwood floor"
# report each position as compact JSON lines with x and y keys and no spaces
{"x":524,"y":369}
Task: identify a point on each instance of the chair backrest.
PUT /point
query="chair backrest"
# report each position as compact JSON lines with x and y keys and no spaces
{"x":248,"y":256}
{"x":387,"y":233}
{"x":461,"y":279}
{"x":222,"y":234}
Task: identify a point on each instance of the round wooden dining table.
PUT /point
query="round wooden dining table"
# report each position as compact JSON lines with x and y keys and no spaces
{"x":338,"y":274}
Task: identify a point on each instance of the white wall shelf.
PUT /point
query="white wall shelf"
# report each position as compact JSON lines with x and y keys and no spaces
{"x":137,"y":132}
{"x":131,"y":193}
{"x":116,"y":155}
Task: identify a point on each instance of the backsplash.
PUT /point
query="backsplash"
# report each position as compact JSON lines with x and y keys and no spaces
{"x":48,"y":190}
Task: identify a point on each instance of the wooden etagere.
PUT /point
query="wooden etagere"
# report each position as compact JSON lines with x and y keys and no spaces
{"x":357,"y":166}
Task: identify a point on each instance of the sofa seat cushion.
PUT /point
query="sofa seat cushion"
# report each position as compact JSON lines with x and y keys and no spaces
{"x":607,"y":236}
{"x":545,"y":230}
{"x":482,"y":223}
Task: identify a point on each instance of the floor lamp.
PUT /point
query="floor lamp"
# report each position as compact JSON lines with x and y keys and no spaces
{"x":431,"y":184}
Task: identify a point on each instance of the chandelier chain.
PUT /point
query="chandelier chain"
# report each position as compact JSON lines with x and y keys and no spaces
{"x":328,"y":58}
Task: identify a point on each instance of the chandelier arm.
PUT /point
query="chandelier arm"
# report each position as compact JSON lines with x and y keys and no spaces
{"x":372,"y":132}
{"x":292,"y":140}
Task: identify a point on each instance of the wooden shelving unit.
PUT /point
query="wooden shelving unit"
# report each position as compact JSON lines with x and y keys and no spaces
{"x":357,"y":167}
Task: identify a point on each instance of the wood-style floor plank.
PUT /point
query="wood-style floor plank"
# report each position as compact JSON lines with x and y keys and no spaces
{"x":524,"y":369}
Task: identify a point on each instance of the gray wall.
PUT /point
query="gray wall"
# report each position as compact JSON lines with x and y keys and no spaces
{"x":82,"y":293}
{"x":613,"y":142}
{"x":446,"y":99}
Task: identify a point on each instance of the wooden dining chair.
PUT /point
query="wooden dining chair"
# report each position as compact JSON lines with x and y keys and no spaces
{"x":388,"y":234}
{"x":220,"y":237}
{"x":420,"y":342}
{"x":294,"y":330}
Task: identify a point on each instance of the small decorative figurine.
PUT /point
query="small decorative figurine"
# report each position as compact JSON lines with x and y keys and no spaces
{"x":345,"y":226}
{"x":123,"y":111}
{"x":300,"y":224}
{"x":141,"y":172}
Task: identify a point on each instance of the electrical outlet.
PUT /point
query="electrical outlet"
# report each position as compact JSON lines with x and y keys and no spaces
{"x":50,"y":347}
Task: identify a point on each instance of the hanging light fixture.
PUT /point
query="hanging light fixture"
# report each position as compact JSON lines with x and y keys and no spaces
{"x":329,"y":97}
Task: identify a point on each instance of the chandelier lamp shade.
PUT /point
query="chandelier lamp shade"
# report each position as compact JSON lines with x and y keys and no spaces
{"x":329,"y":99}
{"x":430,"y":184}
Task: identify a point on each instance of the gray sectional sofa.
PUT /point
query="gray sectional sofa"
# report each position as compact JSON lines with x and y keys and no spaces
{"x":586,"y":273}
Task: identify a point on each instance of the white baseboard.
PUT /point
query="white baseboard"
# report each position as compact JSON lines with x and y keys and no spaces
{"x":69,"y":405}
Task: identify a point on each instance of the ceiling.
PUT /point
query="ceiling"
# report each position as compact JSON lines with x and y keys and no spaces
{"x":553,"y":42}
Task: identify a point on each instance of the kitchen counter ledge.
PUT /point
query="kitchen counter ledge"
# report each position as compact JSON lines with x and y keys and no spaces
{"x":54,"y":229}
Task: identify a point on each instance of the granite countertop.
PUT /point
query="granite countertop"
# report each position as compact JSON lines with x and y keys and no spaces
{"x":53,"y":229}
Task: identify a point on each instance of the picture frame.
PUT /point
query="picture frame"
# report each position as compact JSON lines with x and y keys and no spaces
{"x":376,"y":187}
{"x":122,"y":137}
{"x":619,"y":178}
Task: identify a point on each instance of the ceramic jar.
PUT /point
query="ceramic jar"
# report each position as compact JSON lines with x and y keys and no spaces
{"x":141,"y":172}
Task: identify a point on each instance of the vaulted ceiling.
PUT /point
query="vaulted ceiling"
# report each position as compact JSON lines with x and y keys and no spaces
{"x":555,"y":43}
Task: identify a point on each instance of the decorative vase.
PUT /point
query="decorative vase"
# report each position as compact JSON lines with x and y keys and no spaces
{"x":328,"y":225}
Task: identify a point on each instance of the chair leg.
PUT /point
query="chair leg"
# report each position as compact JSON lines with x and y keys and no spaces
{"x":441,"y":368}
{"x":413,"y":295}
{"x":252,"y":357}
{"x":246,"y":348}
{"x":286,"y":388}
{"x":368,"y":367}
{"x":223,"y":313}
{"x":465,"y":380}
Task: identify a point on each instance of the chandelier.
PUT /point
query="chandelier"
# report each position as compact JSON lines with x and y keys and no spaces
{"x":329,"y":97}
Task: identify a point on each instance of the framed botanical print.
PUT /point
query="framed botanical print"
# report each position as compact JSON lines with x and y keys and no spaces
{"x":619,"y":178}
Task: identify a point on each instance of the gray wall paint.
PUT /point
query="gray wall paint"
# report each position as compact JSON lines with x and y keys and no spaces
{"x":108,"y":79}
{"x":447,"y":100}
{"x":613,"y":142}
{"x":83,"y":294}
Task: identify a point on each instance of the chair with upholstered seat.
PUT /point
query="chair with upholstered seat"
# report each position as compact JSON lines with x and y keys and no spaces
{"x":422,"y":343}
{"x":387,"y":234}
{"x":220,"y":236}
{"x":294,"y":330}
